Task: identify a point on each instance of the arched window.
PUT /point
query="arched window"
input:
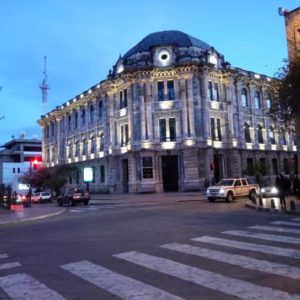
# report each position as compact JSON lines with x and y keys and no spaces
{"x":100,"y":109}
{"x":92,"y":113}
{"x":69,"y":122}
{"x":268,"y":102}
{"x":257,"y":100}
{"x":101,"y":141}
{"x":247,"y":133}
{"x":93,"y":144}
{"x":244,"y":98}
{"x":76,"y":120}
{"x":83,"y":116}
{"x":77,"y":148}
{"x":84,"y":147}
{"x":271,"y":135}
{"x":260,"y":137}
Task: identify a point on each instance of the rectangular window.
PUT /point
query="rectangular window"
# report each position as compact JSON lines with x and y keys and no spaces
{"x":172,"y":127}
{"x":263,"y":166}
{"x":250,"y":168}
{"x":124,"y":135}
{"x":209,"y":91}
{"x":121,"y":100}
{"x":125,"y":98}
{"x":171,"y":91}
{"x":275,"y":166}
{"x":19,"y":171}
{"x":147,"y":166}
{"x":14,"y":170}
{"x":219,"y":133}
{"x":224,"y":92}
{"x":216,"y":92}
{"x":160,"y":91}
{"x":212,"y":129}
{"x":162,"y":130}
{"x":102,"y":174}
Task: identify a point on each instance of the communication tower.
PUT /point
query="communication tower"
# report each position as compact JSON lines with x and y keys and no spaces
{"x":44,"y":86}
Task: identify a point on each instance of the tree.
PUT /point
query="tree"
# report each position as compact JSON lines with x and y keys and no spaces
{"x":50,"y":178}
{"x":285,"y":92}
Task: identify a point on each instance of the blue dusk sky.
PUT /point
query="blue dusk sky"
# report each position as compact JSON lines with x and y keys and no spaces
{"x":83,"y":39}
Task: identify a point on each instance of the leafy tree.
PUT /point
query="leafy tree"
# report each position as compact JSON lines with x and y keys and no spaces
{"x":50,"y":178}
{"x":285,"y":92}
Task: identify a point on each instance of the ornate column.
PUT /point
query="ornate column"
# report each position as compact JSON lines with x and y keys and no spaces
{"x":130,"y":114}
{"x":149,"y":111}
{"x":205,"y":104}
{"x":184,"y":107}
{"x":111,"y":119}
{"x":142,"y":110}
{"x":190,"y":102}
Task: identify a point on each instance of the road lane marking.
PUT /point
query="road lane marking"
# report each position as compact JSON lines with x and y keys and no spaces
{"x":237,"y":260}
{"x":276,"y":229}
{"x":25,"y":287}
{"x":117,"y":284}
{"x":3,"y":255}
{"x":296,"y":219}
{"x":250,"y":246}
{"x":214,"y":281}
{"x":286,"y":223}
{"x":264,"y":236}
{"x":9,"y":265}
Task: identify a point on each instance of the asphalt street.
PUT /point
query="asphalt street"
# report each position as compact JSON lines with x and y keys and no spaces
{"x":179,"y":250}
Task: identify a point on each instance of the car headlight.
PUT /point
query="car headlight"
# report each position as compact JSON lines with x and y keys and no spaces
{"x":221,"y":191}
{"x":263,"y":190}
{"x":274,"y":190}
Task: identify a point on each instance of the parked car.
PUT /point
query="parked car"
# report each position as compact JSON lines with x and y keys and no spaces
{"x":41,"y":197}
{"x":231,"y":188}
{"x":73,"y":196}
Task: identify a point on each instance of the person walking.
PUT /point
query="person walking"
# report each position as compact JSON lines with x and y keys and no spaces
{"x":281,"y":185}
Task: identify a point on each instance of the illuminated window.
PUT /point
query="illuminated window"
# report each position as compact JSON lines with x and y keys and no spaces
{"x":245,"y":102}
{"x":257,"y":100}
{"x":247,"y":133}
{"x":260,"y":137}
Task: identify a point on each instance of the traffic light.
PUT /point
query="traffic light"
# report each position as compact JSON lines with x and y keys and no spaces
{"x":35,"y":163}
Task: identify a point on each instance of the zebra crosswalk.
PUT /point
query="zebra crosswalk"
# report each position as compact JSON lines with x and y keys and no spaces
{"x":119,"y":283}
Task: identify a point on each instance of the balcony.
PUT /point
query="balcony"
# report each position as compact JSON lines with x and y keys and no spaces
{"x":167,"y":105}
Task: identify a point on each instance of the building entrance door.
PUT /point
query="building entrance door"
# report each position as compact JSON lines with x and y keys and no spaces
{"x":170,"y":173}
{"x":125,"y":175}
{"x":219,"y":169}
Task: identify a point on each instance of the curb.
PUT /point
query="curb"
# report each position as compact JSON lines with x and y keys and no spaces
{"x":33,"y":218}
{"x":272,"y":210}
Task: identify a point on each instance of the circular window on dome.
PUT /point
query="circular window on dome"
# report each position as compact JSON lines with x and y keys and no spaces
{"x":164,"y":57}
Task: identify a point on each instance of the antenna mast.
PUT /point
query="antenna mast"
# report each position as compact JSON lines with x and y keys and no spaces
{"x":1,"y":117}
{"x":44,"y":86}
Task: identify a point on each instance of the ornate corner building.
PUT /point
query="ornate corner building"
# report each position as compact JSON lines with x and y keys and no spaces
{"x":171,"y":113}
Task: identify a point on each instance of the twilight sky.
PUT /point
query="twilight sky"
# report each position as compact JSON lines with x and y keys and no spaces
{"x":82,"y":39}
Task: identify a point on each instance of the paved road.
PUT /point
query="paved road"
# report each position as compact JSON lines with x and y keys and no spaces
{"x":183,"y":250}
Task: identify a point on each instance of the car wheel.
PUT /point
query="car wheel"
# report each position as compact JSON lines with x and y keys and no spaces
{"x":211,"y":199}
{"x":252,"y":196}
{"x":229,"y":197}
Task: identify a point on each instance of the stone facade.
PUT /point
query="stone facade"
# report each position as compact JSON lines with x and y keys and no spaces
{"x":171,"y":113}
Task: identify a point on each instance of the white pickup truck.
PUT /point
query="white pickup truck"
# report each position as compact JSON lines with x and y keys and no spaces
{"x":231,"y":188}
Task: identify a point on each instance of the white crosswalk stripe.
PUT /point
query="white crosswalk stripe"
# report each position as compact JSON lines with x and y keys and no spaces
{"x":237,"y":260}
{"x":286,"y":223}
{"x":9,"y":265}
{"x":214,"y":281}
{"x":250,"y":246}
{"x":25,"y":287}
{"x":276,"y":229}
{"x":263,"y":236}
{"x":296,"y":219}
{"x":117,"y":284}
{"x":3,"y":255}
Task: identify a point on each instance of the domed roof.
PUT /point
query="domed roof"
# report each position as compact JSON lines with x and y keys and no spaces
{"x":164,"y":38}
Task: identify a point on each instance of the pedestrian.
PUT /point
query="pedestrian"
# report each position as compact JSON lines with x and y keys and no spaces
{"x":281,"y":186}
{"x":28,"y":198}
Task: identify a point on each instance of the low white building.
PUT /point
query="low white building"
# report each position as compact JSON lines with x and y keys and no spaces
{"x":18,"y":157}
